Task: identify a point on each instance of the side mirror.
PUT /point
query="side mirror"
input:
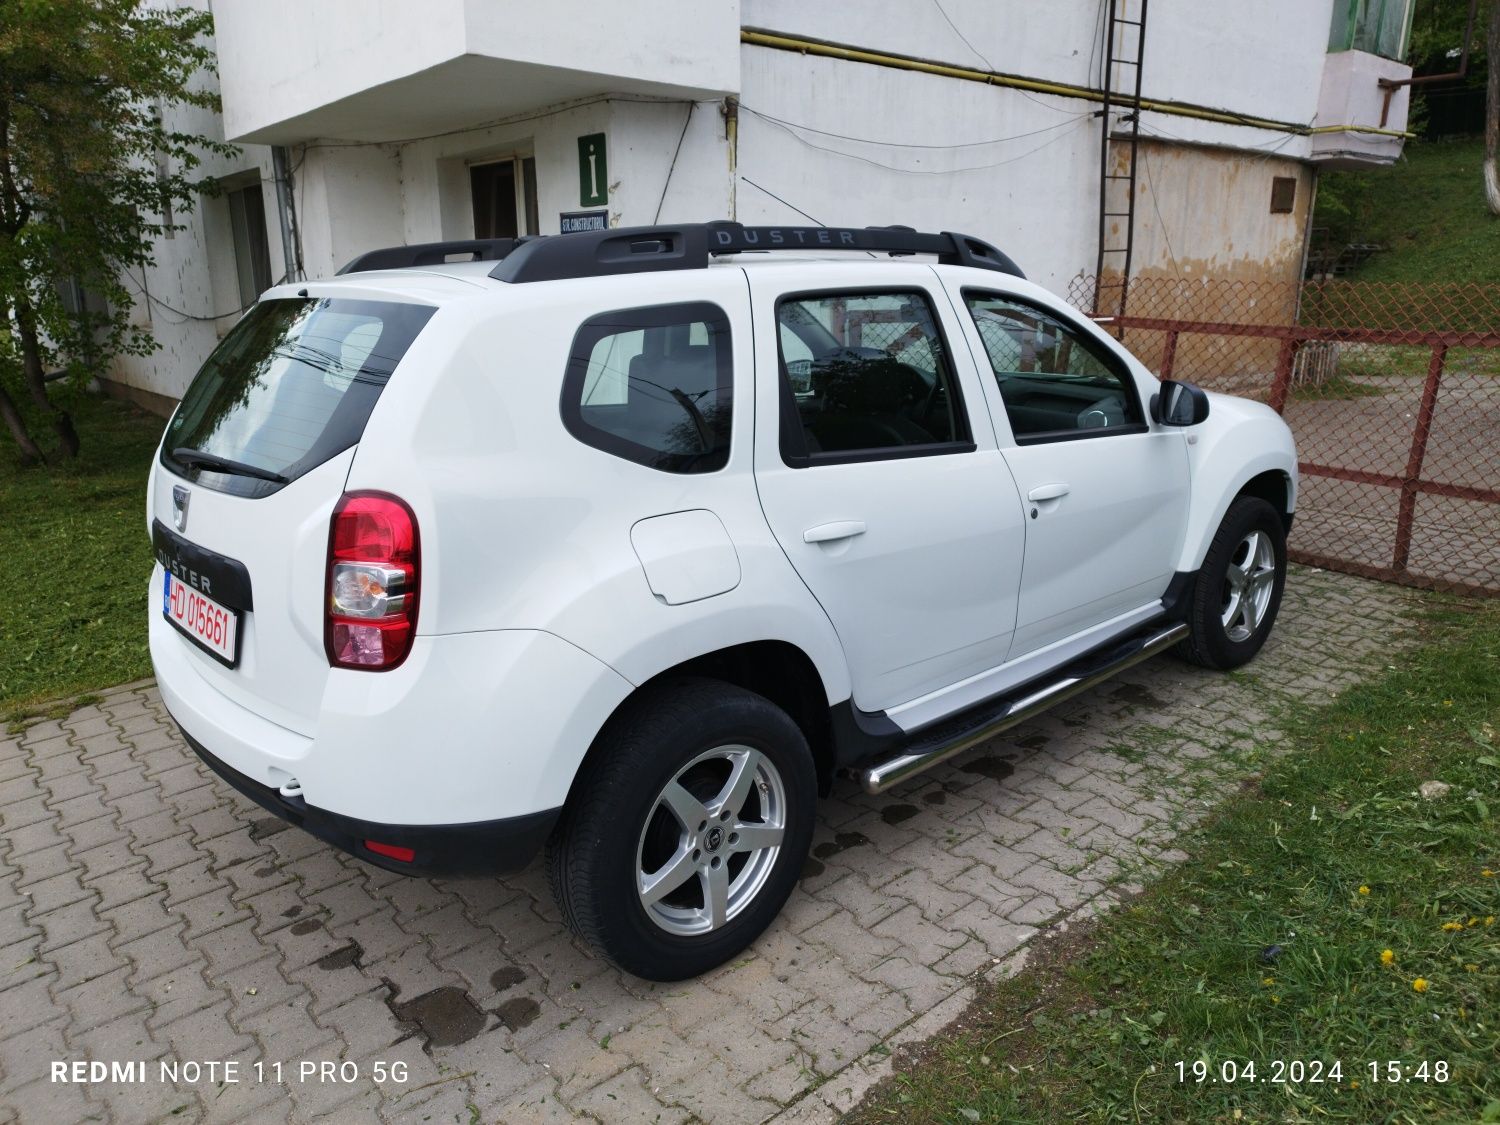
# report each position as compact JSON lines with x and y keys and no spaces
{"x":1179,"y":404}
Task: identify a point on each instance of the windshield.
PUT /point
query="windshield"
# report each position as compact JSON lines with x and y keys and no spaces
{"x":291,"y":386}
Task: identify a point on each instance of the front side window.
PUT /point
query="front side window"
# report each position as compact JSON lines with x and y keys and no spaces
{"x":1055,"y":382}
{"x":865,"y":375}
{"x":653,"y":385}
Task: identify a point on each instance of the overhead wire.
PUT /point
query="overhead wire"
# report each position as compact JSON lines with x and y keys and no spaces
{"x":936,"y":171}
{"x":902,"y":144}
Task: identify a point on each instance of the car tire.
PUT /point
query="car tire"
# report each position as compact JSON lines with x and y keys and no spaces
{"x":687,"y":829}
{"x":1235,"y":599}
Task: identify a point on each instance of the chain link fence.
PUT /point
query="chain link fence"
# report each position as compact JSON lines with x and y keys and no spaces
{"x":1392,"y":392}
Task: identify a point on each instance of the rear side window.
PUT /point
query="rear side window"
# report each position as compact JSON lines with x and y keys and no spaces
{"x":653,"y":385}
{"x":291,"y":386}
{"x":865,"y":376}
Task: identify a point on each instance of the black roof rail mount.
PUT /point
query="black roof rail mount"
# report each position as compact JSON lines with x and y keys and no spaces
{"x":431,"y":254}
{"x":690,"y":246}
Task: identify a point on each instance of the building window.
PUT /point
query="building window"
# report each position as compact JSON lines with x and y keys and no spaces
{"x":653,"y":385}
{"x":1283,"y":195}
{"x":504,"y":195}
{"x":252,"y":256}
{"x":1380,"y":27}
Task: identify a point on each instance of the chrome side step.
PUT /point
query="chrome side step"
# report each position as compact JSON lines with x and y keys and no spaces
{"x":924,"y":752}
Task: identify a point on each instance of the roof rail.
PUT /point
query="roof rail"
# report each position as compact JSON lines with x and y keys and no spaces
{"x":690,"y":245}
{"x":431,"y":254}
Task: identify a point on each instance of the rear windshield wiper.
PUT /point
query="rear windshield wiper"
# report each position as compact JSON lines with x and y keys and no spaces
{"x":190,"y":456}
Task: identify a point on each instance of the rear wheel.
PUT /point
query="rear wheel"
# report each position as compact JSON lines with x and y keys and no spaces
{"x":1238,"y":592}
{"x":688,"y":830}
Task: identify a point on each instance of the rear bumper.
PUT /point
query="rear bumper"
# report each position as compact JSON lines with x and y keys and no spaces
{"x":489,"y":846}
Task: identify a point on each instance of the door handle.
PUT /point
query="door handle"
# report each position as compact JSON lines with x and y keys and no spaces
{"x":829,"y":532}
{"x":1048,"y":491}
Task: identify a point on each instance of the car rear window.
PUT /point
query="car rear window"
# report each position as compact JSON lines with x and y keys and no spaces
{"x":290,"y":386}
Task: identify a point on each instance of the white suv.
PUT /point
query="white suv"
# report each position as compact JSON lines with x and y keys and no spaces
{"x":628,"y":542}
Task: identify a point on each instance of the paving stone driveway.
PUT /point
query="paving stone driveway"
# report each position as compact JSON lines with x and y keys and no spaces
{"x":150,"y":914}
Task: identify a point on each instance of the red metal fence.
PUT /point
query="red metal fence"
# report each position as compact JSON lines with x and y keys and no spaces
{"x":1392,"y":392}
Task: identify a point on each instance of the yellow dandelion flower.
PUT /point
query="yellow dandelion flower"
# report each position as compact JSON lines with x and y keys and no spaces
{"x":1276,"y":999}
{"x":1452,"y":926}
{"x":1268,"y":981}
{"x":1364,"y":890}
{"x":1354,"y":1083}
{"x":1473,"y":922}
{"x":1420,"y":984}
{"x":1447,"y":703}
{"x":1387,"y":956}
{"x":1471,"y":968}
{"x":1489,"y":920}
{"x":1487,"y":873}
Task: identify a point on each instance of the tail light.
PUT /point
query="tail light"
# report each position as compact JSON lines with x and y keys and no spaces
{"x":374,"y":577}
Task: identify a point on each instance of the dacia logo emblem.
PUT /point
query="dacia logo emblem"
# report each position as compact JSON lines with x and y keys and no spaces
{"x":180,"y":498}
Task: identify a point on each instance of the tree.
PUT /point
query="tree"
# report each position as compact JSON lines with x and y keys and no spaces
{"x":89,"y":177}
{"x":1492,"y":114}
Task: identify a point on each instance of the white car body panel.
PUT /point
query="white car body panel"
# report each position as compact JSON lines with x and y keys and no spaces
{"x":556,"y":578}
{"x":1240,"y":441}
{"x":687,"y":556}
{"x":925,"y":594}
{"x":495,"y":456}
{"x":282,"y":539}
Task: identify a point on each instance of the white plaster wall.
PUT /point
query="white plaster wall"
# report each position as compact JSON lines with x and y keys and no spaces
{"x":284,"y":59}
{"x":1033,"y":191}
{"x":643,"y":137}
{"x":348,"y":201}
{"x":1019,"y":169}
{"x":1263,"y":58}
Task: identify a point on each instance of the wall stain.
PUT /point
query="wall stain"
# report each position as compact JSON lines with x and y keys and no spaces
{"x":307,"y":926}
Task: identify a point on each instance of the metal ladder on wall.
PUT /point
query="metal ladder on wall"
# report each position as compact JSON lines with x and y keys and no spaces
{"x":1124,"y":45}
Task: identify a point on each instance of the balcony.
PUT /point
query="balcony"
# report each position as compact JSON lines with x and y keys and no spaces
{"x":383,"y":70}
{"x":1360,"y":122}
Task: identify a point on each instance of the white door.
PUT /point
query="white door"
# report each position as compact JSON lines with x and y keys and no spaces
{"x":1104,"y":490}
{"x":879,"y":474}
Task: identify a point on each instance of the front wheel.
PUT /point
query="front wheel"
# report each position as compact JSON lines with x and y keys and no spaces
{"x":1238,"y":592}
{"x":687,"y":831}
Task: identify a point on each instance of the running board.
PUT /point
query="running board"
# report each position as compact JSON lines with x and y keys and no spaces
{"x":944,"y":741}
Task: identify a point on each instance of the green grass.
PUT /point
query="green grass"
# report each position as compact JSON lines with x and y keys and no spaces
{"x":1267,"y":944}
{"x":1428,"y":211}
{"x":75,"y":559}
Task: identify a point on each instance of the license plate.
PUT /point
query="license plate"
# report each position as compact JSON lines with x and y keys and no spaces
{"x":204,"y":621}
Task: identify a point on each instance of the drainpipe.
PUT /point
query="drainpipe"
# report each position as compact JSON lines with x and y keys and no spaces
{"x":732,"y":137}
{"x":1391,"y":85}
{"x":286,"y":211}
